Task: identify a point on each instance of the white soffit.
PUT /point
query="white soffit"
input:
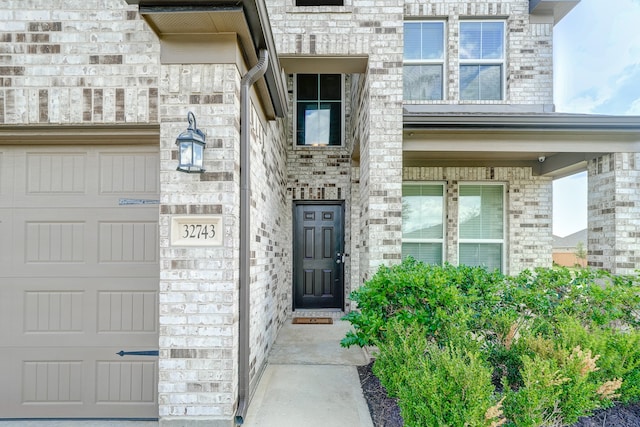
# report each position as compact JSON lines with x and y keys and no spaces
{"x":556,"y":8}
{"x":324,"y":64}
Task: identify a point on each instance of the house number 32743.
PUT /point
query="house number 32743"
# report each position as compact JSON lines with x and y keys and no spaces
{"x":198,"y":231}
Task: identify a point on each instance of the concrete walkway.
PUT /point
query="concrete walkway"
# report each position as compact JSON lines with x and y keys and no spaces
{"x":310,"y":381}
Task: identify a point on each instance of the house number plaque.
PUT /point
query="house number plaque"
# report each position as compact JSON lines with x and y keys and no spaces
{"x":192,"y":230}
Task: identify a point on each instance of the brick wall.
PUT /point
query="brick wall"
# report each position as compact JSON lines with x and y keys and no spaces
{"x":76,"y":61}
{"x":323,"y":173}
{"x":199,"y":285}
{"x":271,"y":260}
{"x":529,"y":46}
{"x":613,"y":211}
{"x":528,"y":207}
{"x":361,"y":28}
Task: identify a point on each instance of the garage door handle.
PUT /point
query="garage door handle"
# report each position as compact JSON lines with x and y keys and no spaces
{"x":123,"y":353}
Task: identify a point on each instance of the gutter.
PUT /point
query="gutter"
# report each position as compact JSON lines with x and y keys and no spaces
{"x":244,"y":309}
{"x":520,"y":122}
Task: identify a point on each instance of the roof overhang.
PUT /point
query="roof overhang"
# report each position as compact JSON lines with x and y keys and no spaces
{"x":555,"y":8}
{"x":325,"y":64}
{"x":188,"y":21}
{"x":110,"y":134}
{"x":551,"y":144}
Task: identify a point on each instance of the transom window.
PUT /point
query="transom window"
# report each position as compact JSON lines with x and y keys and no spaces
{"x":423,"y":72}
{"x":422,"y":222}
{"x":481,"y":225}
{"x":482,"y":60}
{"x":318,"y":109}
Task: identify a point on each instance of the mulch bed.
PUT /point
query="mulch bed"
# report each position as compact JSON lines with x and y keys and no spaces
{"x":383,"y":409}
{"x":385,"y":412}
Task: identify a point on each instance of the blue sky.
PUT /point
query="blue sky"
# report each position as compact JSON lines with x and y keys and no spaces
{"x":596,"y":71}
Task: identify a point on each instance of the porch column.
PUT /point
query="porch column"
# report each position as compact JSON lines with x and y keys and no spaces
{"x":614,"y":213}
{"x":199,"y":284}
{"x":381,"y":147}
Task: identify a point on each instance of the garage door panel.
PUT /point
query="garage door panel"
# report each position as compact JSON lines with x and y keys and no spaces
{"x":87,"y":242}
{"x":128,"y":242}
{"x":79,"y":281}
{"x":56,"y":173}
{"x":75,"y":312}
{"x":6,"y":177}
{"x":92,"y":177}
{"x":93,"y":385}
{"x":6,"y":231}
{"x":129,"y":173}
{"x":127,"y":312}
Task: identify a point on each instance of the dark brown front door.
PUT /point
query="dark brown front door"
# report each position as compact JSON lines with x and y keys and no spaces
{"x":318,"y":247}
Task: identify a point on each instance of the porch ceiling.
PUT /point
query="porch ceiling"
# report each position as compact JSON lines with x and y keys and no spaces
{"x":325,"y":64}
{"x":551,"y":144}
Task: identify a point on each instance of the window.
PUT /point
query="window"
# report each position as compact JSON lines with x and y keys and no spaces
{"x":481,"y":225}
{"x":481,"y":60}
{"x":423,"y":60}
{"x":422,"y":222}
{"x":318,"y":109}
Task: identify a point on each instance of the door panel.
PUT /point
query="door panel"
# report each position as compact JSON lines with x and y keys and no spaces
{"x":78,"y":281}
{"x":318,"y":245}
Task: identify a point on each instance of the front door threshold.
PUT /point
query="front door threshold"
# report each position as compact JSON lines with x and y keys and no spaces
{"x":333,"y":313}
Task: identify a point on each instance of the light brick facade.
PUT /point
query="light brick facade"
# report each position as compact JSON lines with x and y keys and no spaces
{"x":614,"y":213}
{"x":528,"y":207}
{"x":72,"y":62}
{"x":96,"y":62}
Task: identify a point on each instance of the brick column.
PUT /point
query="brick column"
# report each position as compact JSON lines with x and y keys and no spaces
{"x":614,"y":213}
{"x":199,"y":285}
{"x":381,"y":144}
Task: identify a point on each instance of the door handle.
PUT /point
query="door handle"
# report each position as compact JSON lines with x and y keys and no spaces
{"x":123,"y":353}
{"x":340,"y":257}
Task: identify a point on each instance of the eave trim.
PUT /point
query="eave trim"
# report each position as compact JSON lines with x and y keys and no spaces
{"x":80,"y":134}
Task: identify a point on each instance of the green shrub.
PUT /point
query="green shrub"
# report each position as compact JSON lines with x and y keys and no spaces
{"x":537,"y":401}
{"x":436,"y":386}
{"x":534,"y":338}
{"x":442,"y":299}
{"x":619,"y":353}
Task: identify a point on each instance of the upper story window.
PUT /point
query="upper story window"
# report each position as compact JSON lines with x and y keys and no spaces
{"x":423,"y":222}
{"x":481,"y":225}
{"x":482,"y":60}
{"x":319,"y":109}
{"x":424,"y":53}
{"x":319,"y":3}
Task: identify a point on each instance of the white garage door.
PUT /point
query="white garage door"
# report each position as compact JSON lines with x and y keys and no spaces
{"x":78,"y":281}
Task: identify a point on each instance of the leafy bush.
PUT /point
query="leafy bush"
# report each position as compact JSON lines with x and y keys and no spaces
{"x":437,"y":386}
{"x":554,"y":344}
{"x":440,"y":298}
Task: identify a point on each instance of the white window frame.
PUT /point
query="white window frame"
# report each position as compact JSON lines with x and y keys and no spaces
{"x":442,"y":62}
{"x":502,"y":62}
{"x":503,"y":241}
{"x":443,"y":239}
{"x":295,"y":115}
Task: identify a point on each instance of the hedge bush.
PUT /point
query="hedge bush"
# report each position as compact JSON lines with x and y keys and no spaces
{"x":546,"y":346}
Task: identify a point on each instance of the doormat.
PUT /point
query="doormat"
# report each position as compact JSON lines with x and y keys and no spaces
{"x":312,"y":321}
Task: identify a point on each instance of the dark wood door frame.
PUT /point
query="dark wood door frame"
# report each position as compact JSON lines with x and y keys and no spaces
{"x":318,"y":254}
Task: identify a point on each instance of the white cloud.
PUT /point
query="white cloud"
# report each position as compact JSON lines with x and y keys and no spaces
{"x":596,"y":70}
{"x":597,"y":51}
{"x":634,"y":108}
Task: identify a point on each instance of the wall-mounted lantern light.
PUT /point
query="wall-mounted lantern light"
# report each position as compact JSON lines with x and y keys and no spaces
{"x":191,"y":147}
